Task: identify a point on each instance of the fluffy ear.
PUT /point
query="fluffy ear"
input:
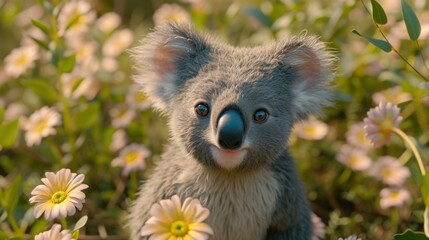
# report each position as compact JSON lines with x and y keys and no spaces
{"x":312,"y":66}
{"x":166,"y":58}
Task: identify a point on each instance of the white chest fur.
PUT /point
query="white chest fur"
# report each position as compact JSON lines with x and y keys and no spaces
{"x":241,"y":205}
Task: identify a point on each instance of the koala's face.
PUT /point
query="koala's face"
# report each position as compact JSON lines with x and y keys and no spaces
{"x":232,"y":108}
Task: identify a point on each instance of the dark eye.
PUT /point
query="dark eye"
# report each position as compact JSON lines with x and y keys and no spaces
{"x":202,"y":109}
{"x":260,"y":116}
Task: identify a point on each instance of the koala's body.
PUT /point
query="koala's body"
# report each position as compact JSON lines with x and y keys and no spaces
{"x":230,"y":112}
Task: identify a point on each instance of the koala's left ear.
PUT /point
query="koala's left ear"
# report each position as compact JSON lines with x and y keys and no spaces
{"x":167,"y":57}
{"x":312,"y":66}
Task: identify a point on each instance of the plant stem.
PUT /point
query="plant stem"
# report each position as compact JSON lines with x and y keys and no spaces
{"x":413,"y":149}
{"x":64,"y":223}
{"x":13,"y":223}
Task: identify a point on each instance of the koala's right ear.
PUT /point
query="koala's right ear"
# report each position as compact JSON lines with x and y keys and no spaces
{"x":166,"y":58}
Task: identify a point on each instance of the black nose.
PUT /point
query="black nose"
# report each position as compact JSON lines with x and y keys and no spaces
{"x":230,"y":129}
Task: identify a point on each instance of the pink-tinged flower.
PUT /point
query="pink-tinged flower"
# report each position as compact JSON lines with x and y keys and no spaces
{"x":117,"y":43}
{"x":20,"y":60}
{"x":318,"y":227}
{"x":78,"y":13}
{"x":391,"y":197}
{"x":121,"y":116}
{"x":390,"y":170}
{"x":108,"y":22}
{"x":59,"y":195}
{"x":311,"y":129}
{"x":393,"y":95}
{"x":380,"y":123}
{"x":40,"y":124}
{"x":173,"y":221}
{"x":354,"y":158}
{"x":170,"y":13}
{"x":119,"y":139}
{"x":132,"y":158}
{"x":356,"y":136}
{"x":54,"y":233}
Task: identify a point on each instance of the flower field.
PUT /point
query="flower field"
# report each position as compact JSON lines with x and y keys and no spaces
{"x":78,"y":137}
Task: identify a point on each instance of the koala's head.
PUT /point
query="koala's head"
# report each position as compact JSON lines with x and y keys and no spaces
{"x":232,"y":108}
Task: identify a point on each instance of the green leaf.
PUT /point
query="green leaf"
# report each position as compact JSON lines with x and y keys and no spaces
{"x":80,"y":223}
{"x":41,"y":43}
{"x":410,"y":235}
{"x":411,"y":21}
{"x":424,"y":189}
{"x":378,"y":13}
{"x":73,"y":22}
{"x":426,"y":222}
{"x":1,"y":114}
{"x":42,"y":26}
{"x":257,"y":14}
{"x":87,"y":117}
{"x":383,"y":45}
{"x":75,"y":234}
{"x":66,"y":64}
{"x":12,"y":193}
{"x":42,"y":89}
{"x":8,"y":133}
{"x":39,"y":226}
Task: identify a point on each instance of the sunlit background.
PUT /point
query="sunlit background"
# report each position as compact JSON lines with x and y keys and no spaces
{"x":67,"y":101}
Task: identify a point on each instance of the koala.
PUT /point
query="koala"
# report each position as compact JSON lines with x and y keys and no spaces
{"x":230,"y":111}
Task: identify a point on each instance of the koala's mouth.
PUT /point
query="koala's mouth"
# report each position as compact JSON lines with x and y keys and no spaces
{"x":228,"y":159}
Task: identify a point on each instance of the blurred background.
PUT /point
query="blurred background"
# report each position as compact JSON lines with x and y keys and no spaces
{"x":102,"y":112}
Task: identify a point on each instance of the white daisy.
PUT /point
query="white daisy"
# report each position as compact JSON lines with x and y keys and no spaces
{"x":131,"y":158}
{"x":20,"y":60}
{"x":54,"y":233}
{"x":117,"y":43}
{"x":59,"y":195}
{"x":40,"y":124}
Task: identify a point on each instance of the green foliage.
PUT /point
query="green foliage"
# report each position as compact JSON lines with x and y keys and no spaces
{"x":378,"y":13}
{"x":11,"y":195}
{"x":8,"y":133}
{"x":383,"y":45}
{"x":42,"y":89}
{"x":411,"y":21}
{"x":410,"y":235}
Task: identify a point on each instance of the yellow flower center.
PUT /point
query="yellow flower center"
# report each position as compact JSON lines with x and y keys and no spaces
{"x":394,"y":195}
{"x":310,"y":131}
{"x":139,"y":97}
{"x":41,"y":126}
{"x":131,"y":157}
{"x":386,"y":172}
{"x":179,"y":228}
{"x":352,"y":160}
{"x":386,"y":126}
{"x":21,"y":60}
{"x":58,"y":197}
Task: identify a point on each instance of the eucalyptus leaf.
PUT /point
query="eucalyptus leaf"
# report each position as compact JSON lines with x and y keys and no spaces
{"x":383,"y":45}
{"x":411,"y":21}
{"x":378,"y":13}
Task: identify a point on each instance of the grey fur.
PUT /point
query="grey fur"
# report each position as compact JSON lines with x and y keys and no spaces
{"x":261,"y":196}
